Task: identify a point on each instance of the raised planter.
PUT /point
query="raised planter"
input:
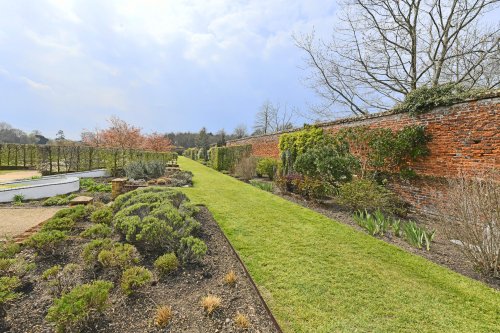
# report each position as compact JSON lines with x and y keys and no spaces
{"x":40,"y":188}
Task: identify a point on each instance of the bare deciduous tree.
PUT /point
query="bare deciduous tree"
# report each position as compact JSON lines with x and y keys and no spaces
{"x":383,"y":49}
{"x":272,"y":118}
{"x":240,"y":131}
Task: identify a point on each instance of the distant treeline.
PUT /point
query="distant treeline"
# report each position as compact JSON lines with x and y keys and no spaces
{"x":9,"y":134}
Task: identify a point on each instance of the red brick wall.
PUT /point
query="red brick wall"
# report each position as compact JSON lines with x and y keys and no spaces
{"x":465,"y":139}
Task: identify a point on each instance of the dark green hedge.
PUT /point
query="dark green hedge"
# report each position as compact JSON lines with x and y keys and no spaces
{"x":225,"y":158}
{"x":55,"y":159}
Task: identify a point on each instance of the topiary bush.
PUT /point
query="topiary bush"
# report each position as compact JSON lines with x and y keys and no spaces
{"x":166,"y":264}
{"x":191,"y":249}
{"x":135,"y":278}
{"x":46,"y":242}
{"x":103,"y":215}
{"x":97,"y":231}
{"x":365,"y":194}
{"x":76,"y":308}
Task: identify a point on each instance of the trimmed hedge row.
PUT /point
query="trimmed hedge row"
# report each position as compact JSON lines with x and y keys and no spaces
{"x":55,"y":159}
{"x":225,"y":158}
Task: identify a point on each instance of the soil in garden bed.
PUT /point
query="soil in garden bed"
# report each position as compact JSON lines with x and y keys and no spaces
{"x":182,"y":291}
{"x":442,"y":251}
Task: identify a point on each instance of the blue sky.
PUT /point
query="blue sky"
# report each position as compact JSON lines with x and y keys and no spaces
{"x":173,"y":65}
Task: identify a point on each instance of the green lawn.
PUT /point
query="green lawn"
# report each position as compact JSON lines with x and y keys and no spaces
{"x":318,"y":275}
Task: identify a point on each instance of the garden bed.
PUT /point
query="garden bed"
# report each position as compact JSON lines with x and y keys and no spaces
{"x":182,"y":291}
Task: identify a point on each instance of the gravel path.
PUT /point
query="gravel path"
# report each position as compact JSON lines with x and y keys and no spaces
{"x":14,"y":221}
{"x":14,"y":175}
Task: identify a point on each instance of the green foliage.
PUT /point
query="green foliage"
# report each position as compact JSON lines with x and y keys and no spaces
{"x":155,"y":219}
{"x":59,"y":223}
{"x":134,"y":278}
{"x":331,"y":163}
{"x":226,"y":158}
{"x":417,"y":236}
{"x":426,"y":98}
{"x":265,"y":186}
{"x":59,"y":200}
{"x":166,"y":264}
{"x":9,"y":249}
{"x":384,"y":149}
{"x":103,"y":215}
{"x":267,"y":166}
{"x":97,"y":231}
{"x":365,"y":194}
{"x":313,"y":188}
{"x":119,"y":256}
{"x":375,"y":223}
{"x":191,"y":249}
{"x":92,"y":249}
{"x":191,"y":153}
{"x":15,"y":267}
{"x":46,"y":242}
{"x":18,"y":198}
{"x":8,"y":286}
{"x":145,"y":169}
{"x":90,"y":185}
{"x":76,"y":213}
{"x":51,"y":272}
{"x":76,"y":308}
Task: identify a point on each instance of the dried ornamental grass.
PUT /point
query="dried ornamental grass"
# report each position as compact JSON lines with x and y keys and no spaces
{"x":230,"y":278}
{"x":163,"y":316}
{"x":241,"y":321}
{"x":210,"y":303}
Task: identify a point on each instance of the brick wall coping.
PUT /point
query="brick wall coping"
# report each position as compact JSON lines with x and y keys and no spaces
{"x":488,"y":95}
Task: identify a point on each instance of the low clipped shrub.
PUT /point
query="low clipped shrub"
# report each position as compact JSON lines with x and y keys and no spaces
{"x":74,"y":309}
{"x":97,"y":231}
{"x":119,"y":256}
{"x":92,"y":249}
{"x":59,"y":223}
{"x":9,"y":249}
{"x":267,"y":166}
{"x":191,"y":249}
{"x":59,"y":200}
{"x":46,"y":242}
{"x":135,"y":278}
{"x":166,"y":264}
{"x":102,"y":215}
{"x":76,"y":213}
{"x":364,"y":194}
{"x":8,"y":287}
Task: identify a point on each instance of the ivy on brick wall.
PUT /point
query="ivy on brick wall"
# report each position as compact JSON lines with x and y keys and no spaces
{"x":382,"y":149}
{"x":425,"y":98}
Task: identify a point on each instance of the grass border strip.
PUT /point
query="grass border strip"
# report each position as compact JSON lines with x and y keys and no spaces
{"x":273,"y":319}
